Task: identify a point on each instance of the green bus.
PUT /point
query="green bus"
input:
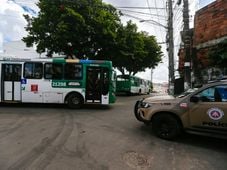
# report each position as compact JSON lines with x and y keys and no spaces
{"x":132,"y":85}
{"x":57,"y":80}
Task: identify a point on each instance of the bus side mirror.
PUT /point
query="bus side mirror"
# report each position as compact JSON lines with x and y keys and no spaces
{"x":194,"y":99}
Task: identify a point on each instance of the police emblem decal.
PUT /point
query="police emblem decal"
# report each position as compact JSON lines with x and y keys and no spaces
{"x":215,"y":113}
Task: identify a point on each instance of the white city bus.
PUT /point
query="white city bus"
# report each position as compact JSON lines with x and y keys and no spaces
{"x":57,"y":80}
{"x":132,"y":85}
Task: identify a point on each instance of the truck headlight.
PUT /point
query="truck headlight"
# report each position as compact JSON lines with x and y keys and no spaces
{"x":145,"y":104}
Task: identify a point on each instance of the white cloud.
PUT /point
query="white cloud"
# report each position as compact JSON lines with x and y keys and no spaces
{"x":12,"y":22}
{"x":10,"y":17}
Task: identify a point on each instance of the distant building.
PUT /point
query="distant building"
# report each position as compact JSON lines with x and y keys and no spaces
{"x":19,"y":49}
{"x":160,"y":88}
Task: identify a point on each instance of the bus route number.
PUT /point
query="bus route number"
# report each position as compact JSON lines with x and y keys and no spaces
{"x":59,"y":84}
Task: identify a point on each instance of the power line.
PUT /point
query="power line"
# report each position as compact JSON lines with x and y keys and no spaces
{"x":140,"y":7}
{"x":148,"y":21}
{"x":161,"y":8}
{"x":143,"y":13}
{"x":150,"y":11}
{"x":143,"y":16}
{"x":149,"y":6}
{"x":158,"y":17}
{"x":177,"y":13}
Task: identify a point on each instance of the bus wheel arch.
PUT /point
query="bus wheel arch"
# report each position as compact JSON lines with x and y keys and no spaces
{"x":74,"y":100}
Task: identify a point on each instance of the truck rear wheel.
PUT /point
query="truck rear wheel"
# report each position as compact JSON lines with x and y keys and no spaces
{"x":166,"y":126}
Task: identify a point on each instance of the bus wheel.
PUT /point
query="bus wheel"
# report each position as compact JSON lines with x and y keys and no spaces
{"x":74,"y":101}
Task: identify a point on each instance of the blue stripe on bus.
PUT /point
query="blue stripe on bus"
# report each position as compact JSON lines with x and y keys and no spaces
{"x":86,"y":61}
{"x":92,"y":61}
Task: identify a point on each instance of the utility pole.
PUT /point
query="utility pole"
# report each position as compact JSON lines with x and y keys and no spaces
{"x":186,"y":39}
{"x":170,"y":47}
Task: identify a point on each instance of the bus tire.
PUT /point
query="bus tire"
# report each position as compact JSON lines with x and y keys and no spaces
{"x":74,"y":101}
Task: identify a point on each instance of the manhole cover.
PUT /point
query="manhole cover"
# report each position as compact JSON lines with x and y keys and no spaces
{"x":136,"y":160}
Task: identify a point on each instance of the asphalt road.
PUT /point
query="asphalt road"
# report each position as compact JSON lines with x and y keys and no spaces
{"x":56,"y":138}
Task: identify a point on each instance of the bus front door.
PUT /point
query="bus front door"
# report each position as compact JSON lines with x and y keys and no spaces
{"x":11,"y":82}
{"x":96,"y":85}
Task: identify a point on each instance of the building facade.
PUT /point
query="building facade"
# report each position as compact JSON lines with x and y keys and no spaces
{"x":210,"y":29}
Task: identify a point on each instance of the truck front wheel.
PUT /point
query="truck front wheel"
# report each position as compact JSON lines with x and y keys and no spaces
{"x":166,"y":126}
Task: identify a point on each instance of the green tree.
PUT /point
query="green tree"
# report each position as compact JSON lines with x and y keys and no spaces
{"x":135,"y":51}
{"x":81,"y":28}
{"x":91,"y":29}
{"x":218,"y":54}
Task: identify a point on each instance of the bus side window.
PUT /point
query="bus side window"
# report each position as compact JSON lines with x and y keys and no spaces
{"x":38,"y":71}
{"x":53,"y":71}
{"x":73,"y":71}
{"x":57,"y":71}
{"x":27,"y":70}
{"x":33,"y":70}
{"x":48,"y":71}
{"x":7,"y":73}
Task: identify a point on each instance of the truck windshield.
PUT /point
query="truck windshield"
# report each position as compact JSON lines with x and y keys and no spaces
{"x":187,"y":92}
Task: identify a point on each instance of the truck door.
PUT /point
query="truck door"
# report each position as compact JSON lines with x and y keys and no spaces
{"x":210,"y":112}
{"x":11,"y":82}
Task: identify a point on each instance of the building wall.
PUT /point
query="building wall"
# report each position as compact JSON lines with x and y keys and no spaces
{"x":210,"y":28}
{"x":19,"y":49}
{"x":210,"y":24}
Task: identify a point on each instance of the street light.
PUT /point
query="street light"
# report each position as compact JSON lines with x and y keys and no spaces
{"x":170,"y":44}
{"x":155,"y":23}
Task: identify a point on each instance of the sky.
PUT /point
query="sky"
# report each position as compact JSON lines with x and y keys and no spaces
{"x":12,"y":24}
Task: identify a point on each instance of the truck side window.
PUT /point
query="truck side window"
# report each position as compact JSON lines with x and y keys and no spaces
{"x":207,"y":95}
{"x":214,"y":94}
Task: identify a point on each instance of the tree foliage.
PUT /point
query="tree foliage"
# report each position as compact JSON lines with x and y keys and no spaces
{"x":79,"y":28}
{"x":218,"y":54}
{"x":91,"y":29}
{"x":136,"y":51}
